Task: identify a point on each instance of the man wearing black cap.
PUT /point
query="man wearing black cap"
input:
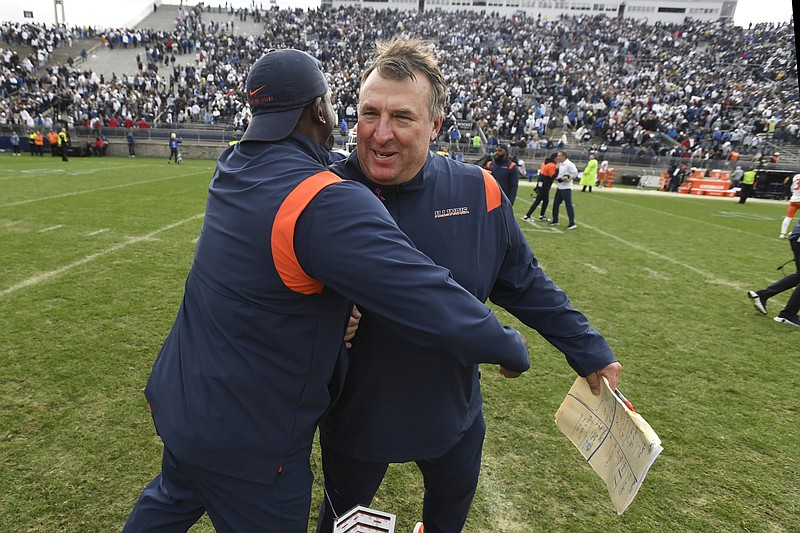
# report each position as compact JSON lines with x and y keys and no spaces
{"x":505,"y":171}
{"x":257,"y":352}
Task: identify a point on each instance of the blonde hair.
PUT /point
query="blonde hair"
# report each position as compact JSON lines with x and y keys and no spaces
{"x":401,"y":59}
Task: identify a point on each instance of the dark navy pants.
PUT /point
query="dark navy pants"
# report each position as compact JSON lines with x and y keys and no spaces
{"x":450,"y":483}
{"x":542,"y":196}
{"x":176,"y":498}
{"x":564,"y":195}
{"x":792,"y":281}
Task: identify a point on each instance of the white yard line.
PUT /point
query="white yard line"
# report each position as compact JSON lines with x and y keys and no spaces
{"x":89,"y":191}
{"x":38,"y":172}
{"x":595,"y":268}
{"x":709,"y":276}
{"x":98,"y":232}
{"x":655,"y":274}
{"x":51,"y":228}
{"x":692,"y":220}
{"x":45,"y":276}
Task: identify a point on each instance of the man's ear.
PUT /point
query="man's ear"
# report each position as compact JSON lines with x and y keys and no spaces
{"x":318,"y":110}
{"x":437,"y":126}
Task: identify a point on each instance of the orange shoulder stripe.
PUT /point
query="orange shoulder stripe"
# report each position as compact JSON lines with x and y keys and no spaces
{"x":493,"y":196}
{"x":282,"y":241}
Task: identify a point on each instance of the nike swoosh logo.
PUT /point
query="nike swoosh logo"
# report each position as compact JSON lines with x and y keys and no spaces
{"x":253,"y":93}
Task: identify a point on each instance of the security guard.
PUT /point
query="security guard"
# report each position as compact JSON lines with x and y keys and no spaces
{"x":32,"y":142}
{"x":63,"y":143}
{"x":746,"y":187}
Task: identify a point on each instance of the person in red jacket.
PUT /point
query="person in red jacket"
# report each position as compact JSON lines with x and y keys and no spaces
{"x":547,"y":173}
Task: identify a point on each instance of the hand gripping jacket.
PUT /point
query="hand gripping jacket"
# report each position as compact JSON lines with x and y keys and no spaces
{"x":256,"y":354}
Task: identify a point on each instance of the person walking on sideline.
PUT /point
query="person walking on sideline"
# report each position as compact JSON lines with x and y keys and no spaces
{"x":257,"y":352}
{"x":789,"y":314}
{"x":400,"y":402}
{"x":746,"y":187}
{"x":547,"y":173}
{"x":567,"y":172}
{"x":794,"y":205}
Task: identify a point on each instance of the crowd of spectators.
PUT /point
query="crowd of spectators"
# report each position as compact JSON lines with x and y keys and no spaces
{"x":697,"y":88}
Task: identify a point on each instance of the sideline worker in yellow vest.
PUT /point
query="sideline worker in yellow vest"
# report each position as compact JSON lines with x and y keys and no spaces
{"x":748,"y":180}
{"x":63,"y":143}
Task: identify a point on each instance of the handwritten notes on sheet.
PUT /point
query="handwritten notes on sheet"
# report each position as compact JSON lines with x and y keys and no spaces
{"x":617,"y":442}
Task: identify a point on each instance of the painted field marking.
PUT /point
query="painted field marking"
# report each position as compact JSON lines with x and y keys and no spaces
{"x":51,"y":228}
{"x":693,"y":220}
{"x":98,"y":232}
{"x":45,"y":276}
{"x":98,"y":189}
{"x":708,"y":275}
{"x":26,"y":173}
{"x":747,"y":216}
{"x":595,"y":268}
{"x":16,"y":174}
{"x":655,"y":274}
{"x":533,"y":226}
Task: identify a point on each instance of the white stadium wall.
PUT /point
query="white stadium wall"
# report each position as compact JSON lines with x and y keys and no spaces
{"x":651,"y":11}
{"x":96,"y":13}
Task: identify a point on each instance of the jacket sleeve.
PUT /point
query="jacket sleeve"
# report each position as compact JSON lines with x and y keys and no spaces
{"x":346,"y":239}
{"x":525,"y":291}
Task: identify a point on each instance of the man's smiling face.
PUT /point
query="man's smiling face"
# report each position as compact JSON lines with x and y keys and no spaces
{"x":395,"y":127}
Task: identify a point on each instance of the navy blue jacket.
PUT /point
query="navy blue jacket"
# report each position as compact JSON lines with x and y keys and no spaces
{"x":256,"y":354}
{"x":399,"y":402}
{"x":506,"y":173}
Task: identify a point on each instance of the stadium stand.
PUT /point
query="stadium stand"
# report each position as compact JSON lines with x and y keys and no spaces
{"x":706,"y":93}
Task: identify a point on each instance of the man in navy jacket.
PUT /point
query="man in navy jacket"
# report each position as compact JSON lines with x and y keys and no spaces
{"x":256,"y":354}
{"x":505,"y":171}
{"x":428,"y":409}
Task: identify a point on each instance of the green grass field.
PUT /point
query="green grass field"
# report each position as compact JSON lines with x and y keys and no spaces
{"x":94,"y":253}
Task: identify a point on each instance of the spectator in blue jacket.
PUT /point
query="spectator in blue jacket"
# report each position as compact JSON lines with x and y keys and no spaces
{"x":400,"y":402}
{"x":15,"y":143}
{"x":257,"y":354}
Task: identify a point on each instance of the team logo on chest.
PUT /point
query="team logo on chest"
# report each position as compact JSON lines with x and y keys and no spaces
{"x":451,"y":212}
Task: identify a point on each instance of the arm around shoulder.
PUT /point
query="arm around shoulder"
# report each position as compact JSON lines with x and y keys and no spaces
{"x":347,"y":240}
